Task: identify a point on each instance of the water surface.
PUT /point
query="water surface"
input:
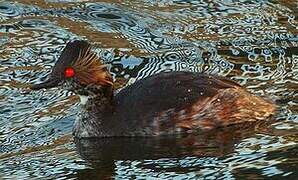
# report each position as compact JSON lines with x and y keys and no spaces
{"x":253,"y":42}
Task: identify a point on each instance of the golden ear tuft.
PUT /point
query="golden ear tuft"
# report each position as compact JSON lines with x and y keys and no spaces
{"x":90,"y":70}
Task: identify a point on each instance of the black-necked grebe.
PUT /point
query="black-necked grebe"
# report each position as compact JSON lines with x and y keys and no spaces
{"x":165,"y":103}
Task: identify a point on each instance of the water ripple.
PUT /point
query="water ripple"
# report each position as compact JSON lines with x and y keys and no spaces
{"x":252,"y":42}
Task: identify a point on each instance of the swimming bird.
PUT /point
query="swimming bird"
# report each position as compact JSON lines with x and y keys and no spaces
{"x":162,"y":104}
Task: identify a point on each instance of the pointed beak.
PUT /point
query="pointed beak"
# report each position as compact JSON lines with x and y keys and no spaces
{"x":50,"y":83}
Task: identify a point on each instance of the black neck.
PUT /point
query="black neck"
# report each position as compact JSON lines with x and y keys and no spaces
{"x":92,"y":120}
{"x":98,"y":104}
{"x":98,"y":99}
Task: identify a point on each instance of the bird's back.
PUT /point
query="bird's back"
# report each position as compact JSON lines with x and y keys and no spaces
{"x":175,"y":101}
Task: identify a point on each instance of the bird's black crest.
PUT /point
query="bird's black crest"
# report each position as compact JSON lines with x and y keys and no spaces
{"x":73,"y":51}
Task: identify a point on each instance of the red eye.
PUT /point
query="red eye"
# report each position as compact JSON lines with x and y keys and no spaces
{"x":69,"y":72}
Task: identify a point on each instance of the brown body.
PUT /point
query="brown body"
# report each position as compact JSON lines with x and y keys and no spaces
{"x":165,"y":103}
{"x":185,"y":101}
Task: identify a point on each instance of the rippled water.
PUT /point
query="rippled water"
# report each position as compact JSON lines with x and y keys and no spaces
{"x":252,"y":42}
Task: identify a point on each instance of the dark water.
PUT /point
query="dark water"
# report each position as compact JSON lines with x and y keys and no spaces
{"x":252,"y":42}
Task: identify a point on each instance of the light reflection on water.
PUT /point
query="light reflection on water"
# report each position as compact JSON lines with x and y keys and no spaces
{"x":254,"y":43}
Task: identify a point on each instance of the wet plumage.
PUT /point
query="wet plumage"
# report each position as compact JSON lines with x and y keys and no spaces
{"x":165,"y":103}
